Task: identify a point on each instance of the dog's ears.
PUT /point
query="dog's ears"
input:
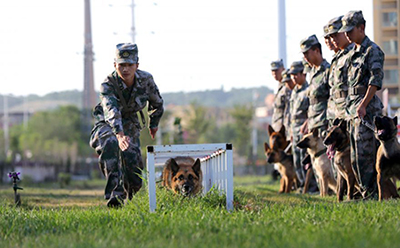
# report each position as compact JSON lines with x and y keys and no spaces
{"x":283,"y":131}
{"x":315,"y":132}
{"x":270,"y":130}
{"x":197,"y":166}
{"x":174,"y":166}
{"x":395,"y":120}
{"x":266,"y":147}
{"x":336,"y":122}
{"x":342,"y":124}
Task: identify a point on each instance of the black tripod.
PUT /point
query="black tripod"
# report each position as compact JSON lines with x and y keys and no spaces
{"x":17,"y":197}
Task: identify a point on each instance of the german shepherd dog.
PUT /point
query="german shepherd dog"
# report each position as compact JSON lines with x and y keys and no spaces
{"x":338,"y":143}
{"x":388,"y":156}
{"x":183,"y":175}
{"x":276,"y":154}
{"x":319,"y":160}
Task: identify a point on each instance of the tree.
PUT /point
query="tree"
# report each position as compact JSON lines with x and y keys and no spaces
{"x":197,"y":124}
{"x":242,"y":116}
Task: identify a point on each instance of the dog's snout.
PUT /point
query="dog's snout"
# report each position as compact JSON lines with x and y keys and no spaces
{"x":186,"y":188}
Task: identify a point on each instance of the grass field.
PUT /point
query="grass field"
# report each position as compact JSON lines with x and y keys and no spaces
{"x":77,"y":217}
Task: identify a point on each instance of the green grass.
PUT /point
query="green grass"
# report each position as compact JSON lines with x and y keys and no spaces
{"x":77,"y":217}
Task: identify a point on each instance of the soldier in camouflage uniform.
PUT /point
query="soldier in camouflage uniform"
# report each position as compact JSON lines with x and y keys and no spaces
{"x":318,"y":90}
{"x":286,"y":116}
{"x":299,"y":103}
{"x":330,"y":113}
{"x":115,"y":135}
{"x":364,"y":79}
{"x":281,"y":96}
{"x":338,"y":80}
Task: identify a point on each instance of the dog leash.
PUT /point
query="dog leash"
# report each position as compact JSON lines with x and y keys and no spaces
{"x":368,"y":125}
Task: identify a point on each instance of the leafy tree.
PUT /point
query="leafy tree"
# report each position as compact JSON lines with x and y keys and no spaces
{"x":51,"y":136}
{"x":197,"y":124}
{"x":242,"y":116}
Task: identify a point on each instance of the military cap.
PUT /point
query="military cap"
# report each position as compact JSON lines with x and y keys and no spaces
{"x":275,"y":65}
{"x":350,"y":20}
{"x":326,"y":30}
{"x":296,"y":67}
{"x":126,"y":53}
{"x":333,"y":26}
{"x":285,"y":76}
{"x":307,"y":43}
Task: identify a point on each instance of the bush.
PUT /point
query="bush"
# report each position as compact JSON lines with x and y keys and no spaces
{"x":64,"y":179}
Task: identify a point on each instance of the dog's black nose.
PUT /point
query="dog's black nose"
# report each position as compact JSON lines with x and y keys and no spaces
{"x":186,"y":188}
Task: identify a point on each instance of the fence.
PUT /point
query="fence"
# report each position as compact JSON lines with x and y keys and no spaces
{"x":216,"y":165}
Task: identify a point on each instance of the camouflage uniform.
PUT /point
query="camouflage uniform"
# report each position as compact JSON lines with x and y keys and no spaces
{"x":286,"y":114}
{"x":366,"y":68}
{"x":123,"y":168}
{"x":299,"y":104}
{"x":280,"y":100}
{"x":338,"y":75}
{"x":318,"y":90}
{"x":338,"y":80}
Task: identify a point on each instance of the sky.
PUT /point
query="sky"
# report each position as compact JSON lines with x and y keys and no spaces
{"x":187,"y":45}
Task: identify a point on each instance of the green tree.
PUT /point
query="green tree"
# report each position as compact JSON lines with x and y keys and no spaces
{"x":197,"y":123}
{"x":242,"y":116}
{"x":51,"y":136}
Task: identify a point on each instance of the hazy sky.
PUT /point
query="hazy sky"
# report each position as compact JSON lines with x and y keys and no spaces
{"x":188,"y":45}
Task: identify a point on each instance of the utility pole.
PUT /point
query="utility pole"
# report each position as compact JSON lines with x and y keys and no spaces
{"x":89,"y":98}
{"x":282,"y":30}
{"x":133,"y":28}
{"x":89,"y":95}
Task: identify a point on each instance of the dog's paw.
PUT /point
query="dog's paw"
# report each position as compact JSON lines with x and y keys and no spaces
{"x":115,"y":202}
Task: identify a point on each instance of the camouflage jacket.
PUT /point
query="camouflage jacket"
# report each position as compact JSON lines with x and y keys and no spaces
{"x":366,"y":68}
{"x":299,"y":103}
{"x":280,"y":101}
{"x":111,"y":111}
{"x":318,"y":92}
{"x":330,"y":112}
{"x":286,"y":114}
{"x":339,"y":83}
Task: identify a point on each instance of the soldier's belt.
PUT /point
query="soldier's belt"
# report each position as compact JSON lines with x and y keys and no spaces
{"x":357,"y":90}
{"x":340,"y":94}
{"x":316,"y":100}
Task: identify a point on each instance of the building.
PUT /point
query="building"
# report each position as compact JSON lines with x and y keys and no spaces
{"x":387,"y":36}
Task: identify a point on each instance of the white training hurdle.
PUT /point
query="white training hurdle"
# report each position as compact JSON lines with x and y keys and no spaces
{"x":216,"y":165}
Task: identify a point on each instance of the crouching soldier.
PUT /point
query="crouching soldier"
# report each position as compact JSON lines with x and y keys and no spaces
{"x":115,"y":135}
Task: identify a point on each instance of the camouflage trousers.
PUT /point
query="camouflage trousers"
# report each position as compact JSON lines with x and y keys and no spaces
{"x":298,"y":156}
{"x":122,"y":169}
{"x":363,"y":148}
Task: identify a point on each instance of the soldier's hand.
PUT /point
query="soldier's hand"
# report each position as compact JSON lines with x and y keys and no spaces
{"x":361,"y":111}
{"x":153,"y":132}
{"x":123,"y":141}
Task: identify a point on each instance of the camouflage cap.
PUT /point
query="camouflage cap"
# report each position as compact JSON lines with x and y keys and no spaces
{"x":296,"y":67}
{"x":307,"y":43}
{"x":350,"y":20}
{"x":326,"y":30}
{"x":333,"y":26}
{"x":285,"y":76}
{"x":275,"y":65}
{"x":126,"y":53}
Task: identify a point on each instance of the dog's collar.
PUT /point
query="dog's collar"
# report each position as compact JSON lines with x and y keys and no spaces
{"x":320,"y":153}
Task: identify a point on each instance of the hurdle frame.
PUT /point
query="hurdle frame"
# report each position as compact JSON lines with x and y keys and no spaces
{"x":219,"y":155}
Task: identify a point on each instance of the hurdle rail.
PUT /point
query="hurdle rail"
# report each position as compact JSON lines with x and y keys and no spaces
{"x":216,"y":165}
